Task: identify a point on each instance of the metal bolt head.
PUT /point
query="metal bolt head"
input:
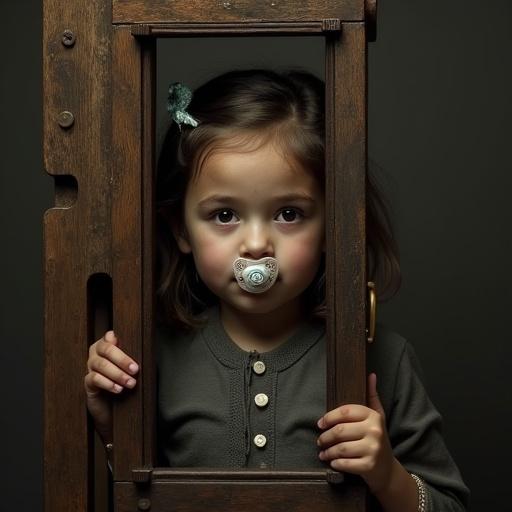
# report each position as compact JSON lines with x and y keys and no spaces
{"x":68,"y":38}
{"x":66,"y":119}
{"x":144,"y":504}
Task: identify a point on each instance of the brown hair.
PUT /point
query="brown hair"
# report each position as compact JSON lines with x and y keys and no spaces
{"x":287,"y":108}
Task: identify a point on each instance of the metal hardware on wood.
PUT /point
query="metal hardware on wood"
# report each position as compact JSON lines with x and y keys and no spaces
{"x":66,"y":119}
{"x":142,"y":476}
{"x":68,"y":38}
{"x":334,"y":477}
{"x":144,"y":504}
{"x":370,"y":331}
{"x":331,"y":25}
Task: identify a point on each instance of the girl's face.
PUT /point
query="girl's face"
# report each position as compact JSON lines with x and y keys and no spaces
{"x":254,"y":204}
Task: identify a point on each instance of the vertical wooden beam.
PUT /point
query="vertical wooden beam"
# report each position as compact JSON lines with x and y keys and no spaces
{"x":346,"y":159}
{"x":346,"y":156}
{"x":128,"y":244}
{"x":76,"y":79}
{"x":148,"y":56}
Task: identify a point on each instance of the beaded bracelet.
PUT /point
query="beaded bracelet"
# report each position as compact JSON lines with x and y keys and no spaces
{"x":422,"y":493}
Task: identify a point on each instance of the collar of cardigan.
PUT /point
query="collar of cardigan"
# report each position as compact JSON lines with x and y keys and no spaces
{"x":288,"y":353}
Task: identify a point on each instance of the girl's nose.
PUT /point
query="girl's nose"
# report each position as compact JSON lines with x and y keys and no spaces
{"x":257,"y":243}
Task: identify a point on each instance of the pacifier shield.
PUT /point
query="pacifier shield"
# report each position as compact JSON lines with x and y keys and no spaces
{"x":255,"y":276}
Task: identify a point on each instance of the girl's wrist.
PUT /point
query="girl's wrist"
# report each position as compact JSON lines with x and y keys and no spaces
{"x":379,"y":484}
{"x":399,"y":493}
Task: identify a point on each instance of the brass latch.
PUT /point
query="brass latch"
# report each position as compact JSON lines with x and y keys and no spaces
{"x":372,"y":306}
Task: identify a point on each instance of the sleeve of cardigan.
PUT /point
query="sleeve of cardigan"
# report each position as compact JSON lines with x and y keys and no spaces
{"x":415,"y":432}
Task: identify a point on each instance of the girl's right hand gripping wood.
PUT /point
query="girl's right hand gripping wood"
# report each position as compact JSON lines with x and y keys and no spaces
{"x":110,"y":370}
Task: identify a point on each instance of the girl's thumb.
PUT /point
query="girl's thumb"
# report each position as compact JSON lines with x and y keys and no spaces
{"x":373,"y":396}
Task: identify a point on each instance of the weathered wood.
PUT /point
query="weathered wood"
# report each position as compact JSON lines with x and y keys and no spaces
{"x":237,"y":29}
{"x":148,"y":73}
{"x":345,"y":215}
{"x":257,"y":493}
{"x":76,"y":78}
{"x":212,"y":11}
{"x":127,"y":242}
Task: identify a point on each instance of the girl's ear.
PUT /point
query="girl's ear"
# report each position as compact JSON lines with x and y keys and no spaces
{"x":181,"y":237}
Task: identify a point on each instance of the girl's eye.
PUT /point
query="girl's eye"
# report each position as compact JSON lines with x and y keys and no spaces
{"x":289,"y":215}
{"x":225,"y":217}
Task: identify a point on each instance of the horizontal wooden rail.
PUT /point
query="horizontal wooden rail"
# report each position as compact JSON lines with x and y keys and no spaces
{"x":209,"y":475}
{"x":237,"y":29}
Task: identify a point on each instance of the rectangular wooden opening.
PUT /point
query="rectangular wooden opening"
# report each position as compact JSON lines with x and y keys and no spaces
{"x":134,"y":72}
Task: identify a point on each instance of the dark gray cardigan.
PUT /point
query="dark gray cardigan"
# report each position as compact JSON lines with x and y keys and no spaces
{"x":208,"y":416}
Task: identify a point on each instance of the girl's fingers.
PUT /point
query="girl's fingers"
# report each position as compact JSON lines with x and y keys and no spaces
{"x":344,"y":414}
{"x":106,"y":369}
{"x":356,"y":466}
{"x":95,"y":382}
{"x":106,"y":348}
{"x":346,"y":450}
{"x":342,"y":432}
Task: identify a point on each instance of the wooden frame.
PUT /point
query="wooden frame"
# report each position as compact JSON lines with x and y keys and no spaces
{"x":99,"y":67}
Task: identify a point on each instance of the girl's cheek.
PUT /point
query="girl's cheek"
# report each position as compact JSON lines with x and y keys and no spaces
{"x":211,"y":257}
{"x":302,"y":259}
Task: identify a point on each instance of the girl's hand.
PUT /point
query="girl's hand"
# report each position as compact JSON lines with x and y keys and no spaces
{"x":109,"y":370}
{"x":355,"y":440}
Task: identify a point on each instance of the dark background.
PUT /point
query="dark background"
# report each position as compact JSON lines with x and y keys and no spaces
{"x":440,"y":110}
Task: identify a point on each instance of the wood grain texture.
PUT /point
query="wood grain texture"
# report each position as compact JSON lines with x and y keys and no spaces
{"x":345,"y":215}
{"x":77,"y":237}
{"x":236,"y":29}
{"x":127,"y":243}
{"x":256,"y":495}
{"x":213,"y":11}
{"x":148,"y":72}
{"x":346,"y":148}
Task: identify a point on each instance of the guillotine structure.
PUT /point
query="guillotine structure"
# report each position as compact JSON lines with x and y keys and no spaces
{"x":99,"y":147}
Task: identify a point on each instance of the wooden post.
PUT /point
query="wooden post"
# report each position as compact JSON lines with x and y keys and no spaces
{"x":77,"y":232}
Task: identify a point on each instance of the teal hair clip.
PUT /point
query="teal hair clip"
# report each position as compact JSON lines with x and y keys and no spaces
{"x":178,"y":100}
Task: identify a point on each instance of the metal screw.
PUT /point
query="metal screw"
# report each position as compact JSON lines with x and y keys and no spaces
{"x":68,"y":38}
{"x":66,"y":119}
{"x":144,"y":504}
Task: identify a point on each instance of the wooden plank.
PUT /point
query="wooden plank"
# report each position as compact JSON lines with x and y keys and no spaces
{"x":148,"y":49}
{"x":76,"y":78}
{"x":237,"y":29}
{"x":256,"y":495}
{"x":215,"y":11}
{"x":345,"y":215}
{"x":127,"y":251}
{"x":346,"y":143}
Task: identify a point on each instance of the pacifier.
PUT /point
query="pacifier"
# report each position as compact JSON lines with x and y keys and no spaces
{"x":255,"y":276}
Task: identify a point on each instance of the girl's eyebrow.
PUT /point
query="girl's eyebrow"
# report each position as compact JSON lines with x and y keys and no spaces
{"x":293,"y":197}
{"x":215,"y":199}
{"x":285,"y":198}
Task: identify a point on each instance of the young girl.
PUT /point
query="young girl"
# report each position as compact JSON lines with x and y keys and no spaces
{"x":241,"y":351}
